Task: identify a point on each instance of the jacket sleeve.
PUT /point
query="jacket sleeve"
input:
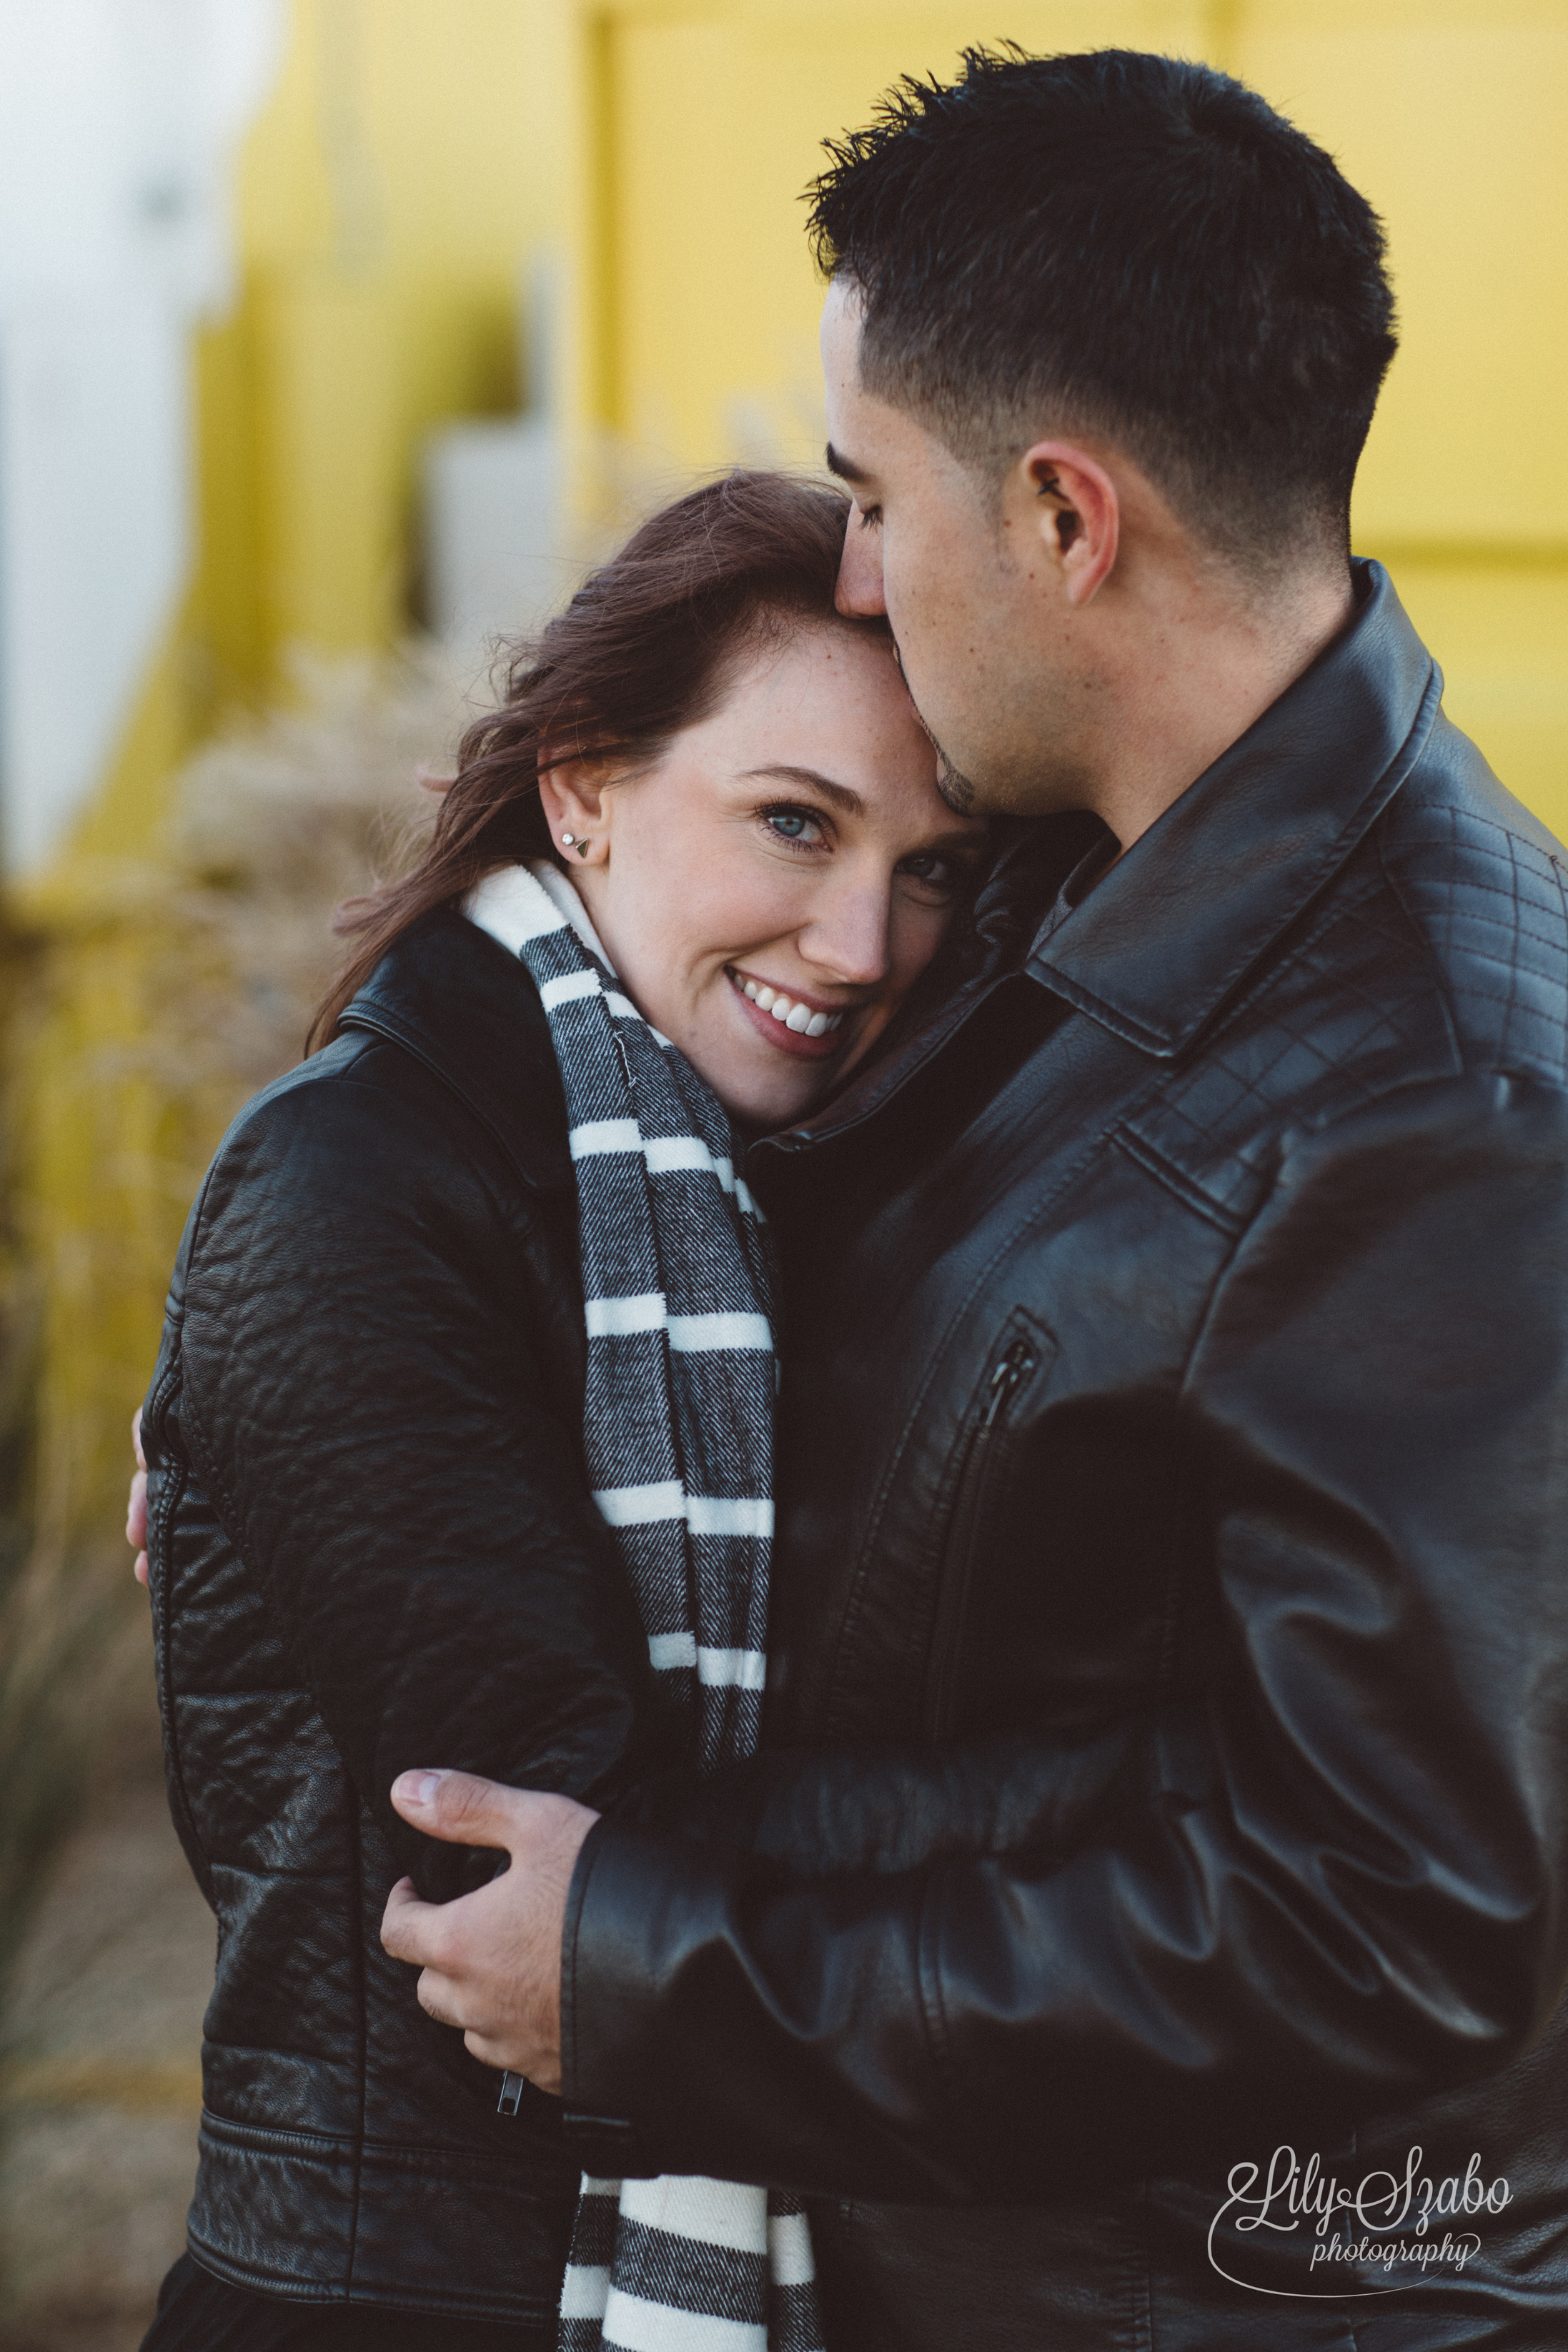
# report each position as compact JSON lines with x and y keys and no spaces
{"x":1328,"y":1875}
{"x":364,"y":1318}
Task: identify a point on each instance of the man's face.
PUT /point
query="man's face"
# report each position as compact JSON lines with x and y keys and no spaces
{"x":956,"y":561}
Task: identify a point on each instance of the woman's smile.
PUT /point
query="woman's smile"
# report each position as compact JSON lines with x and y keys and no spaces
{"x":794,"y":1023}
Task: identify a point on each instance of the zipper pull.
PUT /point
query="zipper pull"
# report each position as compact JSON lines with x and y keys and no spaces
{"x":1019,"y":1360}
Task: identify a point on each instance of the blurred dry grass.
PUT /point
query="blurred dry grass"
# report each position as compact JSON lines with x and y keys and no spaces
{"x":272,"y":827}
{"x":138,"y":1018}
{"x":139,"y":1023}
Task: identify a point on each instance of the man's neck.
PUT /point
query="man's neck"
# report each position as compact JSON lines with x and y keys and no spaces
{"x":1194,"y":688}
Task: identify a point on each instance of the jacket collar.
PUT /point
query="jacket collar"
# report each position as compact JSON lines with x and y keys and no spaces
{"x":449,"y":994}
{"x":1165,"y":935}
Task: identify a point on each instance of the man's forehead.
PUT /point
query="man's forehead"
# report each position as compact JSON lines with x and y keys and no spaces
{"x":840,"y":343}
{"x":852,"y":420}
{"x":842,"y":307}
{"x":870,"y":437}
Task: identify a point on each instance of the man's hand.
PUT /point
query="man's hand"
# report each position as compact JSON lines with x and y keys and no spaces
{"x":491,"y":1960}
{"x":136,"y":1512}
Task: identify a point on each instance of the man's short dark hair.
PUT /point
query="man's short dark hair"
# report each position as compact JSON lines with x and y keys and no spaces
{"x":1132,"y":245}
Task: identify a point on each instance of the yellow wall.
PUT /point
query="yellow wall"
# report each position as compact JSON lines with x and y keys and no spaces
{"x":412,"y":157}
{"x":1452,"y":118}
{"x":1449,"y":114}
{"x":411,"y":160}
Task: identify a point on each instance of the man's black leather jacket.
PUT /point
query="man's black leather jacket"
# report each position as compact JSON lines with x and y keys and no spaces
{"x":1168,"y":1729}
{"x":372,"y":1547}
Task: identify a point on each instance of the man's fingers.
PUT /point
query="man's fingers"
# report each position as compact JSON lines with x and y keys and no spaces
{"x":409,"y":1931}
{"x":136,"y":1438}
{"x":139,"y":1571}
{"x":443,"y":2000}
{"x":412,"y":1930}
{"x":503,"y":2058}
{"x":458,"y":1806}
{"x":439,"y":1998}
{"x":493,"y":1958}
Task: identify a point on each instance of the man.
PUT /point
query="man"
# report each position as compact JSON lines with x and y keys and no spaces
{"x":1149,"y":1922}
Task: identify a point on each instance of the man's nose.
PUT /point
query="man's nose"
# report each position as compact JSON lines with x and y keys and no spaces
{"x":860,"y":571}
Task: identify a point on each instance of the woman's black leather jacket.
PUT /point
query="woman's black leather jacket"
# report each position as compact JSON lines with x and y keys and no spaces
{"x":372,"y":1547}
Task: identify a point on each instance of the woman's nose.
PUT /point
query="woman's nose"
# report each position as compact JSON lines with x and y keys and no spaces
{"x":860,"y":571}
{"x":848,"y":941}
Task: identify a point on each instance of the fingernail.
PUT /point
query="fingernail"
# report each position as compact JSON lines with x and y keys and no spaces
{"x":417,"y":1788}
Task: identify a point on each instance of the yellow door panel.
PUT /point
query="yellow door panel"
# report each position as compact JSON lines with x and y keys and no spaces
{"x":713,"y":123}
{"x":1448,"y":115}
{"x":1458,"y":132}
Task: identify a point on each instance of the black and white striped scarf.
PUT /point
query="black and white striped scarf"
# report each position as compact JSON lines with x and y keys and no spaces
{"x":677,"y":1432}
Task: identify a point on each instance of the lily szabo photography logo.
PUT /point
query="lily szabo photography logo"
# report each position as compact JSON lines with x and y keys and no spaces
{"x":1377,"y":2235}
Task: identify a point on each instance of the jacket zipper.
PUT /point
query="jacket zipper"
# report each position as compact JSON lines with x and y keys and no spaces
{"x":1012,"y":1367}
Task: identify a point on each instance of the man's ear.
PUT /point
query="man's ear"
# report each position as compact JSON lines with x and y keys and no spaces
{"x":1071,"y":504}
{"x":572,"y":797}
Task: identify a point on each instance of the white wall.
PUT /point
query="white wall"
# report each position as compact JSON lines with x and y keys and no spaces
{"x":118,"y":122}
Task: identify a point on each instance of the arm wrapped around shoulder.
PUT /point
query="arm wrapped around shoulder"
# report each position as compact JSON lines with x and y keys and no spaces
{"x":1336,"y":1878}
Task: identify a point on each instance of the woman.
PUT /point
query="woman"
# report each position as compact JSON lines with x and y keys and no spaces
{"x":458,"y":1440}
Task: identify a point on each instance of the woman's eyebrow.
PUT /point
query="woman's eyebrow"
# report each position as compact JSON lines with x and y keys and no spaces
{"x":839,"y":794}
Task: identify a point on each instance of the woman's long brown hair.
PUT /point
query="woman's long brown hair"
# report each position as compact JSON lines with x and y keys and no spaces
{"x":642,"y":650}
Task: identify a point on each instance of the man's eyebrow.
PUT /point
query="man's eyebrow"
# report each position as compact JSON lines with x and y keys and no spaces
{"x":839,"y":794}
{"x":845,"y":467}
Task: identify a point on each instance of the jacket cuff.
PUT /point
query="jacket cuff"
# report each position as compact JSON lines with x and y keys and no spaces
{"x":637,"y":1903}
{"x":606,"y":2145}
{"x":713,"y":2021}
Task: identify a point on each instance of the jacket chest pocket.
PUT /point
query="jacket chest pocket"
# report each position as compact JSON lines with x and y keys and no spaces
{"x":1013,"y":1370}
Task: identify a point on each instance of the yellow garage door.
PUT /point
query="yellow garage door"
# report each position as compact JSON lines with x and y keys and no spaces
{"x":1449,"y":114}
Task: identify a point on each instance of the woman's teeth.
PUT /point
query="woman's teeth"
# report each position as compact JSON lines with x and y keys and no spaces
{"x":799,"y":1017}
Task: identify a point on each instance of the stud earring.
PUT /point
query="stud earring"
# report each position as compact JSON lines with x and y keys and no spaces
{"x":568,"y":841}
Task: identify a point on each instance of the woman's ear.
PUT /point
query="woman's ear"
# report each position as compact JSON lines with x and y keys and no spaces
{"x":572,"y":795}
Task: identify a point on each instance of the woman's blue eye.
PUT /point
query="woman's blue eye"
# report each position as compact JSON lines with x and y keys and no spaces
{"x":793,"y":824}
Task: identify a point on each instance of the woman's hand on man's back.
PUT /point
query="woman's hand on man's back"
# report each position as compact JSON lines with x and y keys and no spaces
{"x":136,"y":1510}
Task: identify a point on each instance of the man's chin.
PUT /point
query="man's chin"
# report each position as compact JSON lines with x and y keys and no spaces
{"x":956,"y":789}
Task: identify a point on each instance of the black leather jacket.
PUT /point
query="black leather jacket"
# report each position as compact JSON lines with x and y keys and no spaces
{"x":1169,"y":1731}
{"x":372,"y":1547}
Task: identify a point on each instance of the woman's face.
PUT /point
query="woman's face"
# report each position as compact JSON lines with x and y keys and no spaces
{"x":770,"y":891}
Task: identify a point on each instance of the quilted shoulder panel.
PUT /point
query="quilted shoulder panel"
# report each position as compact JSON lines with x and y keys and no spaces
{"x":1484,"y":883}
{"x":1440,"y":947}
{"x":1348,"y":1005}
